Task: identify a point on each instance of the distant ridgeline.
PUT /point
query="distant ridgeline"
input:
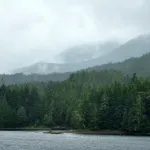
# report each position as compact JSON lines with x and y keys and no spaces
{"x":20,"y":78}
{"x":140,"y":66}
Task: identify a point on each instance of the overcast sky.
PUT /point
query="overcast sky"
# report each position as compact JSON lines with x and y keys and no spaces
{"x":37,"y":30}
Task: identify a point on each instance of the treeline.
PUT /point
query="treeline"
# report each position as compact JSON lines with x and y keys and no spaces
{"x":20,"y":78}
{"x":87,"y":100}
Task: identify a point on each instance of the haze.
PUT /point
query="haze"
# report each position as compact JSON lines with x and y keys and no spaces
{"x":38,"y":30}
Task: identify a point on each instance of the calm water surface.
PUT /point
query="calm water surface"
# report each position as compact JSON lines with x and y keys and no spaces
{"x":40,"y":141}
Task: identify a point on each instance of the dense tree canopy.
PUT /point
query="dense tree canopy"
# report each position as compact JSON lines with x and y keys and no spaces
{"x":87,"y":100}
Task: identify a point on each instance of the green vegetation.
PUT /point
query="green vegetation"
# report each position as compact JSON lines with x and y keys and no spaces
{"x":139,"y":65}
{"x":20,"y":78}
{"x":87,"y":100}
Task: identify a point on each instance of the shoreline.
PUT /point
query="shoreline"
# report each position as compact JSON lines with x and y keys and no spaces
{"x":109,"y":132}
{"x":84,"y":132}
{"x":25,"y":129}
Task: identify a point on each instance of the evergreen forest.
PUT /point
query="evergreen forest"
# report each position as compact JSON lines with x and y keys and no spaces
{"x":94,"y":100}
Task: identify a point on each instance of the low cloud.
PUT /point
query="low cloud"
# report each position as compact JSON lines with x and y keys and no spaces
{"x":37,"y":30}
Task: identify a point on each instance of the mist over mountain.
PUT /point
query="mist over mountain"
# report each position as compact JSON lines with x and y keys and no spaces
{"x":34,"y":31}
{"x":46,"y":68}
{"x":133,"y":48}
{"x":87,"y":52}
{"x":129,"y":66}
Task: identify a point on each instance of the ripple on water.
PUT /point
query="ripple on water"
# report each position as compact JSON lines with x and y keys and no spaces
{"x":40,"y":141}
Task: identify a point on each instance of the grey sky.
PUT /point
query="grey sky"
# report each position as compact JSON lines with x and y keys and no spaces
{"x":37,"y":30}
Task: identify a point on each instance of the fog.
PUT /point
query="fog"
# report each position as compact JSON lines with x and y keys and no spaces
{"x":38,"y":30}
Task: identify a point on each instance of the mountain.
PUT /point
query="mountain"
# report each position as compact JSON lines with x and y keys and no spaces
{"x":73,"y":59}
{"x":133,"y":48}
{"x":138,"y":65}
{"x":87,"y":52}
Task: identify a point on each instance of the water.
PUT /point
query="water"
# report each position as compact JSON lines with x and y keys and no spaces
{"x":40,"y":141}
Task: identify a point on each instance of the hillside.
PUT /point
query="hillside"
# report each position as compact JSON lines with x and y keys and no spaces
{"x":138,"y":65}
{"x":21,"y":78}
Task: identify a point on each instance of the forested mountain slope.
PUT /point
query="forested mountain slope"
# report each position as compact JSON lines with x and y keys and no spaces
{"x":140,"y":65}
